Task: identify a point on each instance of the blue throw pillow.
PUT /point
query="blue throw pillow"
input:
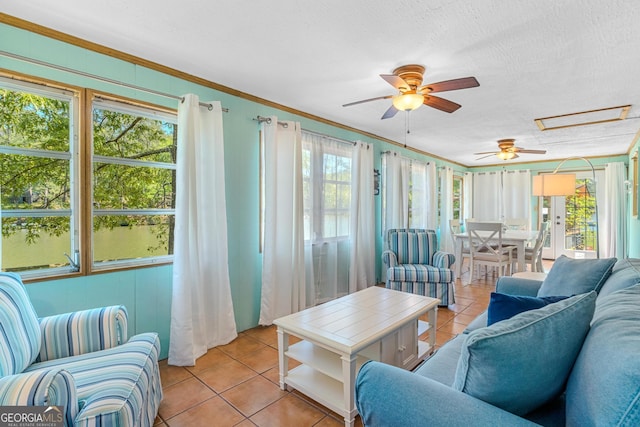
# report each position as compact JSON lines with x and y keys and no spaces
{"x":522,"y":363}
{"x":504,"y":306}
{"x":570,"y":276}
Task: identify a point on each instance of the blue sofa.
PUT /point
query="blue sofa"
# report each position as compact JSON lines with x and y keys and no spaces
{"x":601,"y":385}
{"x":80,"y":362}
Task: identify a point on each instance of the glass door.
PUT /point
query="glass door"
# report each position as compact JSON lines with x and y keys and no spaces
{"x":572,"y":221}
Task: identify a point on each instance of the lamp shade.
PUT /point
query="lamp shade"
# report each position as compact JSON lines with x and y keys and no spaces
{"x":408,"y":101}
{"x":557,"y":184}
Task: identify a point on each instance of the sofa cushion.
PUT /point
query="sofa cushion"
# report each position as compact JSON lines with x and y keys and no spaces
{"x":625,"y":273}
{"x":441,"y":366}
{"x":522,"y":363}
{"x":570,"y":276}
{"x":604,"y":386}
{"x":503,"y":306}
{"x":20,"y":334}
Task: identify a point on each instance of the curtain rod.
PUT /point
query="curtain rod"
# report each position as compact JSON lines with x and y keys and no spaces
{"x":267,"y":120}
{"x":95,"y":77}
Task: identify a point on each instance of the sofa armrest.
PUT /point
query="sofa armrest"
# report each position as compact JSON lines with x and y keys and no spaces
{"x":389,"y":258}
{"x":390,"y":396}
{"x":81,"y":332}
{"x":518,"y":286}
{"x":443,"y":259}
{"x":54,"y":387}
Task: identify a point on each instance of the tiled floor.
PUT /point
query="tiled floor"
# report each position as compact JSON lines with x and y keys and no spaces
{"x":237,"y":384}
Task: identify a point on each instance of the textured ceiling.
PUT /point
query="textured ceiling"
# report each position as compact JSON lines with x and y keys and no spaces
{"x":532,"y":58}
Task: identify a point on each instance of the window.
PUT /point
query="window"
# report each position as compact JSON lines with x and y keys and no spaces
{"x":326,"y":174}
{"x":133,"y":183}
{"x":458,"y":197}
{"x":107,"y":202}
{"x":38,"y":177}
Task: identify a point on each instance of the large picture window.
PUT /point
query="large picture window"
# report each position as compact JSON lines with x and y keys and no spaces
{"x":133,"y":183}
{"x":70,"y":204}
{"x":38,"y":178}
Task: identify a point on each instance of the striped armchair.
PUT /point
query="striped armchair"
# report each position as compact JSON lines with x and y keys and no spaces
{"x":415,"y":265}
{"x":80,"y":361}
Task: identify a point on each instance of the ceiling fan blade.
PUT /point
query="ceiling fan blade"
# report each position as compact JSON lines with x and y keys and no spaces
{"x":485,"y":152}
{"x":441,"y":103}
{"x":396,"y":81}
{"x":484,"y":157}
{"x":524,"y":150}
{"x":455,"y":84}
{"x":367,"y":100}
{"x":392,"y":111}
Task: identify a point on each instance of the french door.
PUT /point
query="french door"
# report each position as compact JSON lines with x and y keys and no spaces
{"x":572,"y":220}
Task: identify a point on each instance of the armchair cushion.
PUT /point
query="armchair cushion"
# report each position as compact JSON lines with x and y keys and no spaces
{"x":420,"y":273}
{"x":51,"y":387}
{"x":413,"y":247}
{"x":19,"y":329}
{"x":570,"y":276}
{"x":82,"y":332}
{"x":118,"y":386}
{"x":522,"y":363}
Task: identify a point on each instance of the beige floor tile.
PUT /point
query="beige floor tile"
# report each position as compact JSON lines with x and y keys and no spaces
{"x":170,"y":375}
{"x":264,"y":334}
{"x":212,"y":358}
{"x":261,"y":360}
{"x":182,"y":396}
{"x":213,"y":412}
{"x":288,"y":411}
{"x":253,"y":395}
{"x":226,"y":375}
{"x":241,"y":346}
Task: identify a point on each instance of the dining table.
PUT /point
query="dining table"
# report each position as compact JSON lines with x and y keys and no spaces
{"x":517,"y":238}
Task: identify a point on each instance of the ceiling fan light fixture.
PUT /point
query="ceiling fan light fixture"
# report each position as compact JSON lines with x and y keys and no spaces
{"x":408,"y":101}
{"x":505,"y":155}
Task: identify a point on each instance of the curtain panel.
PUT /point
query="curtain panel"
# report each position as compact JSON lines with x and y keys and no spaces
{"x":283,"y":275}
{"x":612,"y":222}
{"x":201,"y":309}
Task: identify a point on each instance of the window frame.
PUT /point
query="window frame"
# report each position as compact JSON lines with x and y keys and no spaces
{"x":127,"y":106}
{"x":81,"y":159}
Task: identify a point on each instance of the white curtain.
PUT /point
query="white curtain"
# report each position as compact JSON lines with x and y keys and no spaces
{"x":201,"y":308}
{"x":516,"y":195}
{"x":446,"y":208}
{"x":283,"y":282}
{"x":362,"y":229}
{"x":423,"y":195}
{"x":467,"y":192}
{"x":611,"y":222}
{"x":396,"y":191}
{"x":328,"y":188}
{"x":487,"y":196}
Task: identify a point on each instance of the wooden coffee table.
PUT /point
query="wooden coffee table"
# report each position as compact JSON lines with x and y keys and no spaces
{"x":339,"y":336}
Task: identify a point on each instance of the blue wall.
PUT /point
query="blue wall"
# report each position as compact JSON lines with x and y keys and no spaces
{"x":147,"y":291}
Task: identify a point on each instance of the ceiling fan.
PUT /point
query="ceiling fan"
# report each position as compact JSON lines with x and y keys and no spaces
{"x":508,"y":150}
{"x":412,"y":93}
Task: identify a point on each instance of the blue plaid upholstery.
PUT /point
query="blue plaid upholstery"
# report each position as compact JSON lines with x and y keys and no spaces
{"x":415,"y":265}
{"x":79,"y":360}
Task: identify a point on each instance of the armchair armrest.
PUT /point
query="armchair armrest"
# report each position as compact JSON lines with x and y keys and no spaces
{"x":81,"y":332}
{"x":390,"y":396}
{"x":518,"y":286}
{"x":389,"y":258}
{"x":54,"y":387}
{"x":443,"y":259}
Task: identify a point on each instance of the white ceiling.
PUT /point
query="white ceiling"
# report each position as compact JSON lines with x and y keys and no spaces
{"x":532,"y":58}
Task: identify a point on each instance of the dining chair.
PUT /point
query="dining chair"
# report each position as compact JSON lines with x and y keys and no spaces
{"x":486,"y":248}
{"x":517,"y":223}
{"x":456,"y":228}
{"x":533,"y":255}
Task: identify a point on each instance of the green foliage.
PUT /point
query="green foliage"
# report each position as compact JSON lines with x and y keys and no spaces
{"x":38,"y":181}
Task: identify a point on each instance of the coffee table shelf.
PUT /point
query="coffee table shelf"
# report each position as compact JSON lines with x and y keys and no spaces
{"x":320,"y":359}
